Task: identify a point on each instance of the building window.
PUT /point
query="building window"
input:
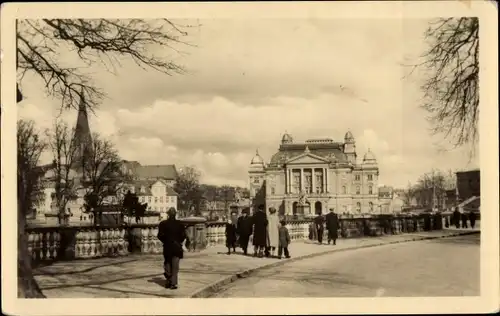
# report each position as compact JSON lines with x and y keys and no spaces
{"x":370,"y":177}
{"x":345,"y":209}
{"x":132,"y":189}
{"x":371,"y":206}
{"x":156,"y":209}
{"x":319,"y":182}
{"x":307,"y":182}
{"x":143,"y":199}
{"x":143,"y":189}
{"x":344,"y":190}
{"x":370,"y":190}
{"x":357,"y":190}
{"x":149,"y":199}
{"x":296,"y":183}
{"x":161,"y":199}
{"x":156,"y":199}
{"x":273,"y":190}
{"x":358,"y":207}
{"x":357,"y":177}
{"x":256,"y":180}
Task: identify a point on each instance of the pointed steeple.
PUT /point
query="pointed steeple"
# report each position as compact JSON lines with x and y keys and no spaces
{"x":82,"y":137}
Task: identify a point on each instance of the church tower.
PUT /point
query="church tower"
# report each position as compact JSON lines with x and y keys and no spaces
{"x":350,"y":147}
{"x":82,"y":137}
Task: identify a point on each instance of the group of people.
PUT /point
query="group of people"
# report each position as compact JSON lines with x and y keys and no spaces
{"x":269,"y":233}
{"x":458,"y":217}
{"x":331,"y":222}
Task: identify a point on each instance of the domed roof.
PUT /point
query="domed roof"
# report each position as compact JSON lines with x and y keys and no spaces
{"x":348,"y":136}
{"x":257,"y":162}
{"x":287,"y":138}
{"x":257,"y":159}
{"x":369,"y":157}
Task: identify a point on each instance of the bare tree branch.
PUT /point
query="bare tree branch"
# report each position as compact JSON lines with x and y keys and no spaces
{"x":451,"y":87}
{"x":94,"y":41}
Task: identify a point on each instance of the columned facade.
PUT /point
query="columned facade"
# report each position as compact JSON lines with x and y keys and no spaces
{"x":323,"y":173}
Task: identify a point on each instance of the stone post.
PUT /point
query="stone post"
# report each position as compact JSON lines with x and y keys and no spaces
{"x":196,"y":231}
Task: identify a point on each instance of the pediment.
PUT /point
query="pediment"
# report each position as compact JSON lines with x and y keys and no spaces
{"x":307,"y":159}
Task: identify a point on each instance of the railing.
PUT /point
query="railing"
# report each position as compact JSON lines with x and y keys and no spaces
{"x":82,"y":242}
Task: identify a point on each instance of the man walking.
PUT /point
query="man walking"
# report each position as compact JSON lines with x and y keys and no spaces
{"x":244,"y":228}
{"x":319,"y":221}
{"x":332,"y":225}
{"x":171,"y":232}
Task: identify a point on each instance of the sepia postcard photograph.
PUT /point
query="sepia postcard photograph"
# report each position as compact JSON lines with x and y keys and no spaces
{"x":249,"y":158}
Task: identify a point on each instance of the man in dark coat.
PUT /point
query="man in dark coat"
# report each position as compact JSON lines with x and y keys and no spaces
{"x":230,"y":236}
{"x":244,"y":229}
{"x":172,"y":233}
{"x":472,"y":218}
{"x":332,"y":225}
{"x":319,"y":221}
{"x":259,"y":221}
{"x":456,"y":218}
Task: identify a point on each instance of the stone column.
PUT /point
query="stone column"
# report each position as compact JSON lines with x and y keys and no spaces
{"x":327,"y":180}
{"x":313,"y":181}
{"x":290,"y":176}
{"x":301,"y":179}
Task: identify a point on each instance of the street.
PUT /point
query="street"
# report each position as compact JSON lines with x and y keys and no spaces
{"x":439,"y":267}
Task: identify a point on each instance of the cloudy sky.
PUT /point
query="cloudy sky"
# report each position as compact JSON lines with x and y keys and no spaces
{"x":250,"y":80}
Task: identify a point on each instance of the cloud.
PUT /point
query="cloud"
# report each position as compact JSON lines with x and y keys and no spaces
{"x":249,"y":82}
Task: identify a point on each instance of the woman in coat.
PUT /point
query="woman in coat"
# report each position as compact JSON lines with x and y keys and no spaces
{"x":230,"y":236}
{"x":273,"y":230}
{"x":259,"y":221}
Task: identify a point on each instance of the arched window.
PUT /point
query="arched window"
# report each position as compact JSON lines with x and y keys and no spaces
{"x":357,"y":190}
{"x":358,"y":207}
{"x":344,"y":190}
{"x":370,"y":190}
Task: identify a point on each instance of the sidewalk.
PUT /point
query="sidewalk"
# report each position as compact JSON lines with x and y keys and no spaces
{"x":140,"y":276}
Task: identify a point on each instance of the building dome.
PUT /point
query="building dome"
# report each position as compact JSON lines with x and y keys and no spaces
{"x":348,"y":138}
{"x":369,"y":157}
{"x":257,"y":161}
{"x":287,"y":138}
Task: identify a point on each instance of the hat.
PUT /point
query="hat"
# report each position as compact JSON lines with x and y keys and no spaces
{"x":332,"y":210}
{"x":272,"y":210}
{"x":171,"y":211}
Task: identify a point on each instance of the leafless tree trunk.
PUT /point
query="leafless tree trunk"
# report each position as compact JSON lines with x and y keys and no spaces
{"x":63,"y":150}
{"x":451,"y":88}
{"x":29,"y":193}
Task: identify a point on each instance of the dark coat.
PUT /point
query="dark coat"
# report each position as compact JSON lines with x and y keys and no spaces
{"x":172,"y":233}
{"x":244,"y":226}
{"x":259,"y":220}
{"x":230,"y":235}
{"x":332,"y":224}
{"x":319,"y":222}
{"x":284,"y":237}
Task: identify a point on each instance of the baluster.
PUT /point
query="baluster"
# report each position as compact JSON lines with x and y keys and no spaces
{"x":78,"y":244}
{"x":92,"y":243}
{"x":31,"y":239}
{"x":144,"y":240}
{"x":156,"y":241}
{"x":114,"y":241}
{"x":50,"y":245}
{"x":40,"y":246}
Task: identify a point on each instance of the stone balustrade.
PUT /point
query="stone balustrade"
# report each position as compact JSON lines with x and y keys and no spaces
{"x":83,"y":242}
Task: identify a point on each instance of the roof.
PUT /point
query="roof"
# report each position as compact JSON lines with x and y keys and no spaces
{"x":146,"y":184}
{"x":168,"y":172}
{"x":324,"y":150}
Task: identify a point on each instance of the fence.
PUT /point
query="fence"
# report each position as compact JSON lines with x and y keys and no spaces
{"x":83,"y":242}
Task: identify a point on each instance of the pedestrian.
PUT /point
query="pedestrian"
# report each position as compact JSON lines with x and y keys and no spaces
{"x":230,"y":236}
{"x":319,"y":222}
{"x":284,"y":240}
{"x":332,"y":225}
{"x":456,"y":217}
{"x":259,"y":220}
{"x":464,"y":220}
{"x":472,"y":217}
{"x":244,"y":230}
{"x":273,"y":226}
{"x":172,"y":233}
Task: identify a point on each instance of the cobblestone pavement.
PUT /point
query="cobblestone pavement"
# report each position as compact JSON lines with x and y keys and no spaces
{"x":438,"y":267}
{"x":139,"y":276}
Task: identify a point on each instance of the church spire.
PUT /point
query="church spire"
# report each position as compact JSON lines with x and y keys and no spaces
{"x":82,"y":138}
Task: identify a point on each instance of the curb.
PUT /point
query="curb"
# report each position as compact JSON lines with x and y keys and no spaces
{"x":217,"y":285}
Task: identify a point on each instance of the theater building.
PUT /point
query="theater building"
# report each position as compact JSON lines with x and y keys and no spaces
{"x":321,"y":173}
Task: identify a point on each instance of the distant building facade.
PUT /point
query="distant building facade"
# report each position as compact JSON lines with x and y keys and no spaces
{"x":468,"y":184}
{"x":390,"y":201}
{"x":318,"y":172}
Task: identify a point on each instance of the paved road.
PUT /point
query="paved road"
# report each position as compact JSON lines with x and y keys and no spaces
{"x":440,"y":267}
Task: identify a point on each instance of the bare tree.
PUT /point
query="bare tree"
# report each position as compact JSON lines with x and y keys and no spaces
{"x":29,"y":193}
{"x":40,"y":44}
{"x":64,"y":150}
{"x":451,"y":87}
{"x":102,"y":175}
{"x":187,"y":185}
